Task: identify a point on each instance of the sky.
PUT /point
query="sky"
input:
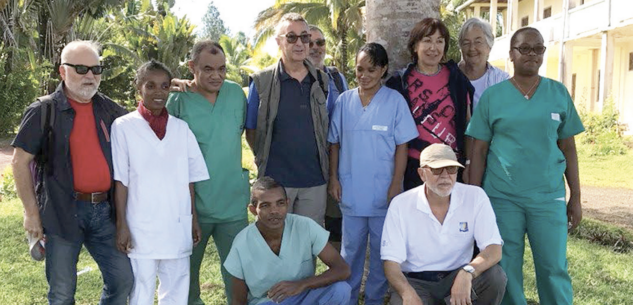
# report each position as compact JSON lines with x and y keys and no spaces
{"x":238,"y":15}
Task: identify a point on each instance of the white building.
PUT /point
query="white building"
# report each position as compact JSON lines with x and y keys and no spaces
{"x":596,"y":59}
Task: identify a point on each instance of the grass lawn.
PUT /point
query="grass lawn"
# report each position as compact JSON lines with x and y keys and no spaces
{"x":600,"y":276}
{"x":609,"y":171}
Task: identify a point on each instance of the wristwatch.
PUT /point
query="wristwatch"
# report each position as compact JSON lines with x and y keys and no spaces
{"x":470,"y":269}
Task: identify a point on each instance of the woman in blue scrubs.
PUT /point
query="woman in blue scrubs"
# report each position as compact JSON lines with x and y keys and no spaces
{"x":369,"y":131}
{"x":524,"y":132}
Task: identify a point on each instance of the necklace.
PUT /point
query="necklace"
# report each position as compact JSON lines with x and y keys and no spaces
{"x":439,"y":67}
{"x":526,"y":95}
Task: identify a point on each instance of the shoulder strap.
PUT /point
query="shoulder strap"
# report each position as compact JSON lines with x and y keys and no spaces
{"x":338,"y":80}
{"x":323,"y":87}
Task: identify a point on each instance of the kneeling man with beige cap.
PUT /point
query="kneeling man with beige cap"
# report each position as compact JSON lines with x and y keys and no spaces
{"x":429,"y":235}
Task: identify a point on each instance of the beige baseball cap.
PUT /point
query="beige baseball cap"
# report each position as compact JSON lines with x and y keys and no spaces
{"x":438,"y":156}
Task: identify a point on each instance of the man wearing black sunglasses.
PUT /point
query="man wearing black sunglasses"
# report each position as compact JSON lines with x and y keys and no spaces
{"x":67,"y":134}
{"x":287,"y":121}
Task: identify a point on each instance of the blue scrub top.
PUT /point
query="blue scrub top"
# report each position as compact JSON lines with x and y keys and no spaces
{"x":524,"y":162}
{"x":368,"y":138}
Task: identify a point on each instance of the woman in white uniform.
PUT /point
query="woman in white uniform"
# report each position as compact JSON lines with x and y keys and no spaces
{"x":156,"y":161}
{"x":369,"y":131}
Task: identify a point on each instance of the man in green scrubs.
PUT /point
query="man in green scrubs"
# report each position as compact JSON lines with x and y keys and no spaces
{"x":215,"y":110}
{"x":524,"y":132}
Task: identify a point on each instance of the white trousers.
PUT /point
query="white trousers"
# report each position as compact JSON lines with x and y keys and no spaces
{"x":173,"y":275}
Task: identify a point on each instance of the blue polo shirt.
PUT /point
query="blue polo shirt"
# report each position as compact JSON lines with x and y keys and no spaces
{"x":293,"y":160}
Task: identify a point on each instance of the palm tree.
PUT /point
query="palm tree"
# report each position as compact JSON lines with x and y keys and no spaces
{"x":339,"y":19}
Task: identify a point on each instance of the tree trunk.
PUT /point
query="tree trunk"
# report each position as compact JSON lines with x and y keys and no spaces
{"x":389,"y":22}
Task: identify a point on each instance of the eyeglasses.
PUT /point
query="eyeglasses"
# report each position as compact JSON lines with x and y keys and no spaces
{"x":319,"y":42}
{"x":292,"y":37}
{"x":525,"y":50}
{"x":81,"y":69}
{"x":451,"y":170}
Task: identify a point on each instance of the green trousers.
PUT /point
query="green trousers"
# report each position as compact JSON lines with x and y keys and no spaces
{"x":223,"y":235}
{"x":546,"y":226}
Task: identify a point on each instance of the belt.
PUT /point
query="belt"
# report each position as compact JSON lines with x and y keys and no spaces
{"x":92,"y":197}
{"x":430,"y":276}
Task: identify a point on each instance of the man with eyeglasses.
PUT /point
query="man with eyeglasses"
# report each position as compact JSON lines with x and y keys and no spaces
{"x":336,"y":86}
{"x":438,"y":266}
{"x":67,"y":133}
{"x":287,"y":121}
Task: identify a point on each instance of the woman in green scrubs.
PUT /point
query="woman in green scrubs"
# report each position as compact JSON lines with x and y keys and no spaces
{"x":524,"y":132}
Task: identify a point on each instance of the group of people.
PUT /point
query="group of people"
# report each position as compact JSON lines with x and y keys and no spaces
{"x":394,"y":165}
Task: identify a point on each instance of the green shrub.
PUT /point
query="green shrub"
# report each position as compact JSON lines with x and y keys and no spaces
{"x":7,"y":185}
{"x":603,"y":132}
{"x":595,"y":231}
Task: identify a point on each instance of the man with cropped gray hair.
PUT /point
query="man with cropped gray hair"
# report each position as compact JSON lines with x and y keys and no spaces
{"x":287,"y":121}
{"x":67,"y":133}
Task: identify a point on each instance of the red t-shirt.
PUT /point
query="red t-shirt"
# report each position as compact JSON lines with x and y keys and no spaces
{"x":433,"y":110}
{"x":90,"y":169}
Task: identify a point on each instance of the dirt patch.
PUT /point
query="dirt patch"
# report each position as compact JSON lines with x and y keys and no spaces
{"x":6,"y":153}
{"x":612,"y":205}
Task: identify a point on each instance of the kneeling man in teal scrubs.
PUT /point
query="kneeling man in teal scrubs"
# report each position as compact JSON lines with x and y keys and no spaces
{"x":272,"y":261}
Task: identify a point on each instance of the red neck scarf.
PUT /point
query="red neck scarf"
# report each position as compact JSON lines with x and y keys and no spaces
{"x":158,"y":123}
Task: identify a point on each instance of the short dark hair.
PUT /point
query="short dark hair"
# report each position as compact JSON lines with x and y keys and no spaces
{"x":377,"y":55}
{"x":264,"y":184}
{"x":522,"y":30}
{"x":205,"y":45}
{"x":150,"y":66}
{"x":424,"y":28}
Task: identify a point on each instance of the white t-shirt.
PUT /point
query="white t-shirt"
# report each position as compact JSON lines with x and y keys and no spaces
{"x":157,"y":174}
{"x":414,"y":238}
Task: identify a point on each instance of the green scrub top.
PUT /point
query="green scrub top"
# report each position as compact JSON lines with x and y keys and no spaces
{"x":524,"y":162}
{"x":252,"y":260}
{"x":218,"y":129}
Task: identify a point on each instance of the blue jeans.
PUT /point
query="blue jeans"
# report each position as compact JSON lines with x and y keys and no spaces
{"x":98,"y":234}
{"x":334,"y":294}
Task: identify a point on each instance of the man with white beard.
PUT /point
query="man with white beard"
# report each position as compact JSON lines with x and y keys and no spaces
{"x":67,"y":133}
{"x":438,"y":266}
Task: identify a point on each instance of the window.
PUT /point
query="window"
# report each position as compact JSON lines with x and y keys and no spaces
{"x":547,"y":12}
{"x":525,"y":21}
{"x":631,"y":61}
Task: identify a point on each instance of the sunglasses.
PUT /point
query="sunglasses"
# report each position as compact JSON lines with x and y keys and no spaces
{"x":525,"y":50}
{"x":319,"y":42}
{"x":451,"y":170}
{"x":81,"y":69}
{"x":292,"y":37}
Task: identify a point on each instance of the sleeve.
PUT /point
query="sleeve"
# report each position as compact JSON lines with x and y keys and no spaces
{"x":233,"y":263}
{"x":336,"y":121}
{"x":405,"y":129}
{"x":30,"y":132}
{"x":486,"y":230}
{"x":173,"y":104}
{"x":571,"y":124}
{"x":197,"y":166}
{"x":318,"y":236}
{"x":120,"y":153}
{"x":243,"y":106}
{"x":393,"y":246}
{"x":479,"y":126}
{"x":252,"y":108}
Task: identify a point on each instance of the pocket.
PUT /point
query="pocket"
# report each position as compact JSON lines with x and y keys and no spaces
{"x":184,"y":236}
{"x":381,"y":190}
